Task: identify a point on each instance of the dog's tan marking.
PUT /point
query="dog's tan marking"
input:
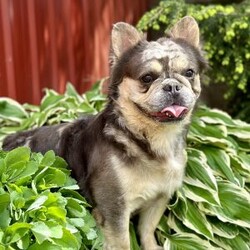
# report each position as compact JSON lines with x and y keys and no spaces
{"x":179,"y":63}
{"x":197,"y":86}
{"x":27,"y":141}
{"x":148,"y":221}
{"x":156,"y":66}
{"x":117,"y":239}
{"x":149,"y":178}
{"x":138,"y":122}
{"x":132,"y":149}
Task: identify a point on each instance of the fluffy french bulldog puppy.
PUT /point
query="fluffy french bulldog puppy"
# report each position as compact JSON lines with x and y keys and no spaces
{"x":130,"y":158}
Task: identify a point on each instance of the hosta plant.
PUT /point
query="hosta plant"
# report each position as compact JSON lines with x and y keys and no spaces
{"x":210,"y":211}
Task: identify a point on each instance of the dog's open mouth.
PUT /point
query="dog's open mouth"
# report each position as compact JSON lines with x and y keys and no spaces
{"x":170,"y":113}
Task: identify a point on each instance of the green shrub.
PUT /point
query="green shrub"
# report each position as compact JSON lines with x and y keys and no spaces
{"x":226,"y":34}
{"x":210,"y":211}
{"x":39,"y":205}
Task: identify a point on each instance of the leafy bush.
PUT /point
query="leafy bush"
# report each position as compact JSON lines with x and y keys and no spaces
{"x":54,"y":109}
{"x":39,"y":205}
{"x":210,"y":211}
{"x":226,"y":33}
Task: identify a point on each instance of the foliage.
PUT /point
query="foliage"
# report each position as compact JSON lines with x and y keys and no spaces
{"x":39,"y":205}
{"x":226,"y":34}
{"x":210,"y":211}
{"x":54,"y":108}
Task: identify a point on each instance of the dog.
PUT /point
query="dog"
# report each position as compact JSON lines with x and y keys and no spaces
{"x":130,"y":158}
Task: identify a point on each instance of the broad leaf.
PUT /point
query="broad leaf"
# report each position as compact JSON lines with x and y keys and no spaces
{"x":198,"y":173}
{"x":11,"y":110}
{"x":193,"y":218}
{"x":15,"y":232}
{"x":186,"y":241}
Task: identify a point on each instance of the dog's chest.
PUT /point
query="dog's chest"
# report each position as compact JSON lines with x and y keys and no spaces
{"x":144,"y":182}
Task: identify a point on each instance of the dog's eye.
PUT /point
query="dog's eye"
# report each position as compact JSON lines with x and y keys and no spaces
{"x":147,"y":78}
{"x":189,"y":73}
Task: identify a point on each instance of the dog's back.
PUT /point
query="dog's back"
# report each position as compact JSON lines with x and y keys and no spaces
{"x":43,"y":139}
{"x":39,"y":139}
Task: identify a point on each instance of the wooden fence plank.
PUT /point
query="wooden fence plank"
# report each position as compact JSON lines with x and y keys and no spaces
{"x":45,"y":43}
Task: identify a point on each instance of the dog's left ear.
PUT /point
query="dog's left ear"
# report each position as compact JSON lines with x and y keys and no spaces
{"x":123,"y":37}
{"x":187,"y":29}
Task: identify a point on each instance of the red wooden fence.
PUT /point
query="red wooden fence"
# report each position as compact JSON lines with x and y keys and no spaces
{"x":45,"y":43}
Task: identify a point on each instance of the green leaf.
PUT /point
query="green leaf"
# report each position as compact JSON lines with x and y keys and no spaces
{"x":15,"y":232}
{"x":55,"y":212}
{"x":5,"y":218}
{"x":24,"y":242}
{"x":198,"y":194}
{"x":214,"y":116}
{"x":41,"y":231}
{"x":23,"y":171}
{"x":74,"y":208}
{"x":59,"y":163}
{"x":235,"y":201}
{"x":49,"y":178}
{"x":186,"y":241}
{"x":225,"y":230}
{"x":68,"y":241}
{"x":11,"y":110}
{"x":91,"y":235}
{"x":87,"y":108}
{"x":232,"y":244}
{"x":133,"y":239}
{"x":21,"y":154}
{"x":17,"y":199}
{"x":37,"y":203}
{"x":235,"y":205}
{"x":219,"y":161}
{"x":198,"y":173}
{"x":46,"y":230}
{"x":48,"y":159}
{"x":192,"y":218}
{"x":46,"y":245}
{"x":50,"y":101}
{"x":241,"y":164}
{"x":4,"y":201}
{"x":242,"y":131}
{"x":201,"y":133}
{"x":55,"y":229}
{"x":71,"y":91}
{"x":77,"y":222}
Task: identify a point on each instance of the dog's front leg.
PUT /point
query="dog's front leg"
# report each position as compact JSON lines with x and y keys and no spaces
{"x":148,"y":221}
{"x":115,"y":228}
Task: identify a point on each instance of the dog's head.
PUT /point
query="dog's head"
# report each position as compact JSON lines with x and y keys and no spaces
{"x":156,"y":81}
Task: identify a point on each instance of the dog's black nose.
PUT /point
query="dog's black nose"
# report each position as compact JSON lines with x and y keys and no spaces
{"x":172,"y":87}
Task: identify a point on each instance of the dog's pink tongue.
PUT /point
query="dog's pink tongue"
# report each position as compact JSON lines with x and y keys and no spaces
{"x":175,"y":110}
